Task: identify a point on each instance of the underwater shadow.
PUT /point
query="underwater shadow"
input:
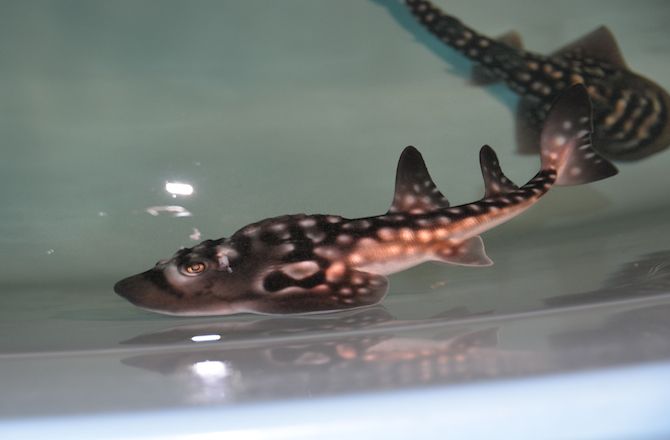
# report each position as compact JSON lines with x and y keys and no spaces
{"x":647,"y":276}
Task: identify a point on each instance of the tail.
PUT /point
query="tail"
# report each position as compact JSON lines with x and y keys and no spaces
{"x":494,"y":55}
{"x":565,"y":142}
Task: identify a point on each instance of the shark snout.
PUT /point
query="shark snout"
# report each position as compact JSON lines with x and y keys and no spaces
{"x":140,"y":289}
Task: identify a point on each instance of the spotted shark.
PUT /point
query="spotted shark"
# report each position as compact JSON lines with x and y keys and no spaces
{"x":317,"y":263}
{"x":631,"y":113}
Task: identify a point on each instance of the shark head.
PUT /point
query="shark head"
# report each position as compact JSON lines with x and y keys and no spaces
{"x":194,"y":281}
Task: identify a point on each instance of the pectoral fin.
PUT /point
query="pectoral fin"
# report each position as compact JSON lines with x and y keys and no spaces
{"x":599,"y":44}
{"x":471,"y":252}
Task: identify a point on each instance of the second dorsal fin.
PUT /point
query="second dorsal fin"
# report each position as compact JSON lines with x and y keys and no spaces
{"x":415,"y":192}
{"x":494,"y":179}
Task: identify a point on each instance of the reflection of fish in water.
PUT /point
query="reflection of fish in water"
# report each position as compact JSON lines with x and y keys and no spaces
{"x":343,"y":363}
{"x":281,"y":326}
{"x":650,"y":275}
{"x":315,"y":263}
{"x":630,"y":111}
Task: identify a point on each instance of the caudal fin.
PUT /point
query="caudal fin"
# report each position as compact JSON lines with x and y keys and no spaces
{"x":566,"y":141}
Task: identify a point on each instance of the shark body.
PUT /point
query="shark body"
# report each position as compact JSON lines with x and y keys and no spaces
{"x":631,"y":112}
{"x":316,"y":263}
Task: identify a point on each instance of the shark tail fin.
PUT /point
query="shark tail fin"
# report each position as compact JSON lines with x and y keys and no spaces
{"x":565,"y":141}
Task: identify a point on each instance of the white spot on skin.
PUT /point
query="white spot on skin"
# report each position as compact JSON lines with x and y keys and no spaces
{"x":300,"y":270}
{"x":327,"y":252}
{"x":251,"y":231}
{"x":366,"y":242}
{"x":386,"y":234}
{"x":406,"y":234}
{"x":424,"y":222}
{"x":559,"y":141}
{"x":357,"y":224}
{"x":286,"y":248}
{"x":575,"y":171}
{"x":424,"y":236}
{"x":357,"y":280}
{"x":316,"y":236}
{"x":344,"y":239}
{"x":567,"y":125}
{"x":524,"y":76}
{"x":336,"y":271}
{"x":278,"y":227}
{"x":308,"y":222}
{"x":333,"y":219}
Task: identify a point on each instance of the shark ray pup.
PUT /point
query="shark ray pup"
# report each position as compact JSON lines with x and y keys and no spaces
{"x":631,"y":113}
{"x":316,"y":263}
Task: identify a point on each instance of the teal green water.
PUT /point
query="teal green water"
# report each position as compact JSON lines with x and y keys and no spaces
{"x":268,"y":108}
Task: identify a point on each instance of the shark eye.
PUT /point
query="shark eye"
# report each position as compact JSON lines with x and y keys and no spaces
{"x":194,"y":268}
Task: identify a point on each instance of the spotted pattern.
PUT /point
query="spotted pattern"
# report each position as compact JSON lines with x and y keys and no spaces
{"x":309,"y":263}
{"x":631,"y":113}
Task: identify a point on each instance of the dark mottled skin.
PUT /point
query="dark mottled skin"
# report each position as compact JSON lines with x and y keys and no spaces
{"x":315,"y":263}
{"x":630,"y":111}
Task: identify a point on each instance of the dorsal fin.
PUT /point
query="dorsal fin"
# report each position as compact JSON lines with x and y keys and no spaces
{"x":415,"y":192}
{"x":599,"y":44}
{"x":494,"y":179}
